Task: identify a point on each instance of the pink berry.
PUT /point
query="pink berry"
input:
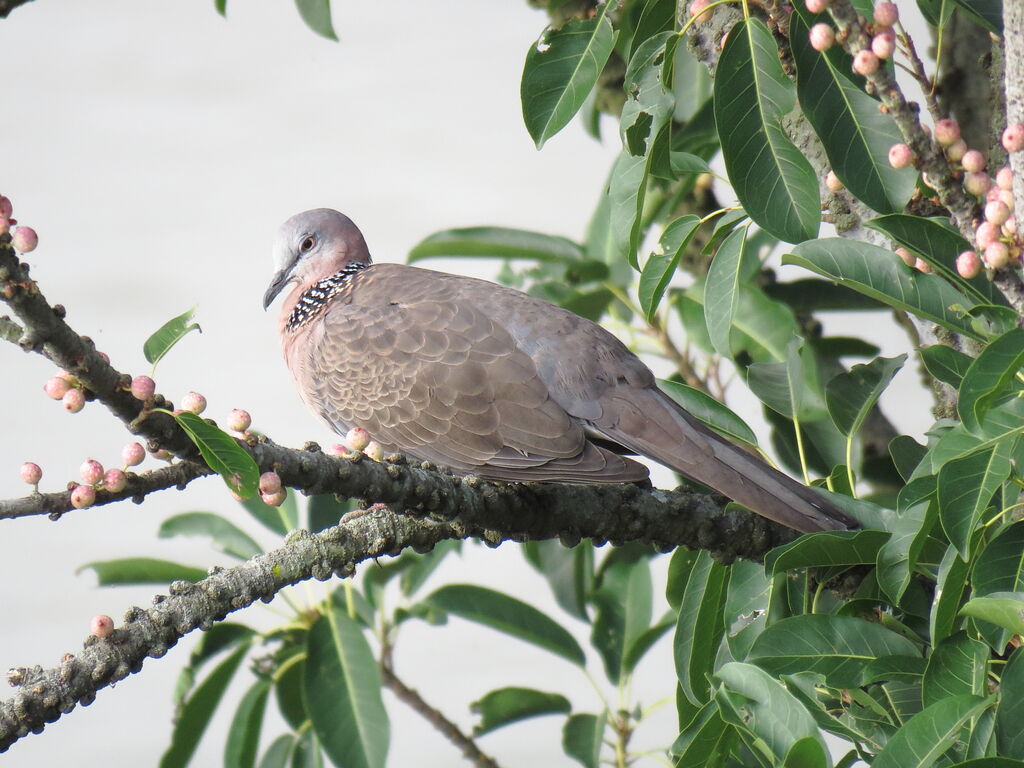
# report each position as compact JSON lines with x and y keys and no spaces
{"x":992,"y":195}
{"x":947,"y":131}
{"x":817,"y":6}
{"x":883,"y":45}
{"x":997,"y":255}
{"x":985,"y":234}
{"x":238,"y":420}
{"x":900,"y":156}
{"x":143,"y":388}
{"x":886,"y":14}
{"x":968,"y":264}
{"x":101,"y":626}
{"x":956,"y":150}
{"x":5,"y":225}
{"x":822,"y":37}
{"x":697,"y":8}
{"x":24,"y":239}
{"x":907,"y":257}
{"x":31,"y":473}
{"x":1004,"y":178}
{"x":1010,"y":227}
{"x":832,"y":182}
{"x":357,"y":438}
{"x":56,"y":387}
{"x":374,"y":450}
{"x":83,"y":496}
{"x":865,"y":62}
{"x":922,"y":266}
{"x":973,"y":160}
{"x":193,"y":401}
{"x":270,"y":482}
{"x":114,"y":480}
{"x":6,"y":207}
{"x":133,"y":454}
{"x":275,"y":499}
{"x":1005,"y":196}
{"x":336,"y":450}
{"x":91,"y":471}
{"x":73,"y":400}
{"x":977,"y":183}
{"x":163,"y":455}
{"x":997,"y":213}
{"x":1013,"y":138}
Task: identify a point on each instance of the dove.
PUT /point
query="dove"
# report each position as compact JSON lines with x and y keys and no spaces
{"x":489,"y":381}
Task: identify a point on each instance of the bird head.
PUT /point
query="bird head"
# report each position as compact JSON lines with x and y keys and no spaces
{"x":313,"y":245}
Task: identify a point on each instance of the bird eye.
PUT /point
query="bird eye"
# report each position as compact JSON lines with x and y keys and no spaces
{"x":307,"y":245}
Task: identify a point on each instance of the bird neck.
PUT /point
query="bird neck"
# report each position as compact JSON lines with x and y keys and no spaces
{"x":314,"y":300}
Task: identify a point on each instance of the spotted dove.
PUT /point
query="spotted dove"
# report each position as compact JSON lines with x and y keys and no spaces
{"x":489,"y":381}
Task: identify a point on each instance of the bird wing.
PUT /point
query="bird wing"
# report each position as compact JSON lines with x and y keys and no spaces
{"x":427,"y":371}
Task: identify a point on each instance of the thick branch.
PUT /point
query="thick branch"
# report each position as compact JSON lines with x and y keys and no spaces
{"x":1013,"y":51}
{"x":6,"y":6}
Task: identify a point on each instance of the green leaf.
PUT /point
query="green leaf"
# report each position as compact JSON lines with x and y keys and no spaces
{"x":198,"y":710}
{"x":497,"y":243}
{"x":217,"y":638}
{"x":423,"y":565}
{"x":1006,"y":609}
{"x":762,"y":327}
{"x":710,"y":411}
{"x":288,"y":690}
{"x":751,"y":700}
{"x":965,"y":490}
{"x":773,"y":180}
{"x":988,"y":13}
{"x":277,"y":753}
{"x":875,"y":272}
{"x":679,"y":569}
{"x":949,"y":592}
{"x":222,"y":453}
{"x":623,"y":602}
{"x":317,"y":15}
{"x":142,"y":570}
{"x":280,"y":520}
{"x":722,"y":290}
{"x":510,"y":705}
{"x":705,"y":741}
{"x":306,"y":752}
{"x":656,"y":16}
{"x":224,"y":535}
{"x":898,"y":557}
{"x":700,"y":627}
{"x":569,"y":572}
{"x":684,"y":162}
{"x":169,"y":334}
{"x":839,"y":647}
{"x":792,"y":386}
{"x":989,"y":376}
{"x":582,"y":737}
{"x":808,"y":752}
{"x":221,"y":7}
{"x":929,"y":733}
{"x":945,"y":363}
{"x":643,"y":642}
{"x":325,"y":511}
{"x":744,"y":611}
{"x":342,"y":693}
{"x":1010,"y":712}
{"x":852,"y":395}
{"x":829,"y":549}
{"x":855,"y":134}
{"x":999,"y":567}
{"x":244,"y":735}
{"x":810,"y":294}
{"x":508,"y":615}
{"x":955,"y":667}
{"x":661,"y":265}
{"x":561,"y":69}
{"x":906,"y":455}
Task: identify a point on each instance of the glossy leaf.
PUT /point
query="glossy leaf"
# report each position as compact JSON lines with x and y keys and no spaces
{"x":945,"y":363}
{"x":582,"y":738}
{"x":1010,"y":712}
{"x":661,"y":265}
{"x":317,"y":15}
{"x":560,"y":71}
{"x":856,"y":135}
{"x":956,"y":666}
{"x":342,"y":693}
{"x":497,"y":243}
{"x":244,"y":734}
{"x":929,"y":733}
{"x":965,"y":490}
{"x":222,"y":453}
{"x":1005,"y":609}
{"x":773,"y":180}
{"x":852,"y":395}
{"x":826,"y":549}
{"x":510,"y":705}
{"x":722,"y":290}
{"x":705,"y":741}
{"x":710,"y":411}
{"x":142,"y":570}
{"x":167,"y":335}
{"x":508,"y":615}
{"x":700,"y":627}
{"x":223,"y":534}
{"x":873,"y":271}
{"x":989,"y":376}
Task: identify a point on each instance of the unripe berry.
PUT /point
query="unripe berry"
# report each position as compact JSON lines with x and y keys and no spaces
{"x":73,"y":400}
{"x":193,"y":401}
{"x":83,"y":496}
{"x":986,"y":234}
{"x":977,"y":183}
{"x":163,"y":455}
{"x":900,"y":155}
{"x":114,"y":480}
{"x":956,"y":150}
{"x":143,"y":388}
{"x":992,"y":195}
{"x":884,"y":44}
{"x":1005,"y":196}
{"x":832,"y":182}
{"x":922,"y":266}
{"x":91,"y":471}
{"x":886,"y":14}
{"x":336,"y":450}
{"x":24,"y":239}
{"x":56,"y":387}
{"x":374,"y":450}
{"x":6,"y":207}
{"x":133,"y":454}
{"x":997,"y":213}
{"x":947,"y":131}
{"x":1013,"y":138}
{"x":274,"y":499}
{"x":1010,"y":227}
{"x":822,"y":36}
{"x":973,"y":160}
{"x":101,"y":626}
{"x":997,"y":255}
{"x":697,"y":9}
{"x":817,"y":6}
{"x":906,"y":256}
{"x":968,"y":264}
{"x":1004,"y":178}
{"x":238,"y":420}
{"x":5,"y":225}
{"x":357,"y":438}
{"x":31,"y":473}
{"x":865,"y":62}
{"x":270,"y":482}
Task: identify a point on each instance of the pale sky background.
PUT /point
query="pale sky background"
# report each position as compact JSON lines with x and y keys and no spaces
{"x":156,"y":147}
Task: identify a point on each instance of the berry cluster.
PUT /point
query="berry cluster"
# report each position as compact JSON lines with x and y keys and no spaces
{"x":883,"y":43}
{"x":24,"y":239}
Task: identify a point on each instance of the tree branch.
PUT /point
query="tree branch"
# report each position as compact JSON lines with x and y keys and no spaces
{"x":6,"y":6}
{"x":1013,"y":51}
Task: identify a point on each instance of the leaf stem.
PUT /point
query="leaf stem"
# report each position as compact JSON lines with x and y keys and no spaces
{"x":800,"y":449}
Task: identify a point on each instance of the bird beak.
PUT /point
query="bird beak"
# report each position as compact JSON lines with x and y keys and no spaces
{"x":281,"y":279}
